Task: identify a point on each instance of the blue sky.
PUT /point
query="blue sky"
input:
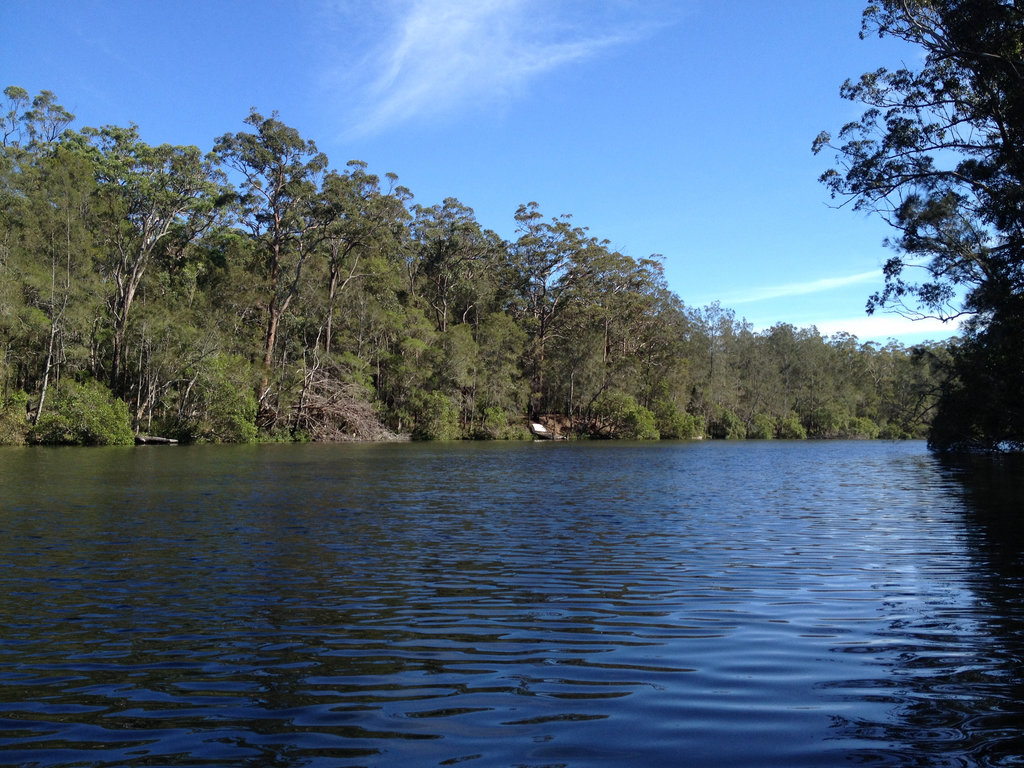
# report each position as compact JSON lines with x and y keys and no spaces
{"x":678,"y":127}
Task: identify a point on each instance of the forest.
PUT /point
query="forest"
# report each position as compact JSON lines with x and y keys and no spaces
{"x":257,"y":292}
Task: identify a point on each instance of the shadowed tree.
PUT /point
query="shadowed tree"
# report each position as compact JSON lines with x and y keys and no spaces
{"x":939,"y":153}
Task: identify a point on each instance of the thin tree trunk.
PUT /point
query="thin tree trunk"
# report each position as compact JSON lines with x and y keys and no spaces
{"x":56,"y":319}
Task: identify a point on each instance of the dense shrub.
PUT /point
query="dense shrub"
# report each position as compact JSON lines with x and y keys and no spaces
{"x":618,"y":415}
{"x":84,"y":414}
{"x":675,"y":424}
{"x":862,"y":428}
{"x":640,"y":425}
{"x":893,"y":431}
{"x":726,"y":425}
{"x":224,"y":403}
{"x":828,"y":421}
{"x":762,"y":427}
{"x":13,"y":423}
{"x":790,"y":428}
{"x":438,"y":418}
{"x":495,"y":426}
{"x":232,"y":402}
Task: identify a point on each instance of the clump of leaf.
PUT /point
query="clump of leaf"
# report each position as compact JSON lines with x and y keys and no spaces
{"x":85,"y":413}
{"x":13,"y":422}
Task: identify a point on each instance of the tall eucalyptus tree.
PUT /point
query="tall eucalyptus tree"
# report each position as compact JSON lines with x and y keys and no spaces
{"x":279,"y":204}
{"x":146,"y":197}
{"x":547,"y":260}
{"x":456,"y":259}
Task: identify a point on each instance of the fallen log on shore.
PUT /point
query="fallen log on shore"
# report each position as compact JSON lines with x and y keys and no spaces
{"x":154,"y":440}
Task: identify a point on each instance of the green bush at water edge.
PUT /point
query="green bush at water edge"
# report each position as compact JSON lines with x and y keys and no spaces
{"x":83,"y":414}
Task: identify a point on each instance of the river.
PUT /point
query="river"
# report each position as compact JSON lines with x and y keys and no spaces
{"x":489,"y":604}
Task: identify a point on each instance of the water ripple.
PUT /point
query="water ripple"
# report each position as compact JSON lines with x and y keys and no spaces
{"x":577,"y":605}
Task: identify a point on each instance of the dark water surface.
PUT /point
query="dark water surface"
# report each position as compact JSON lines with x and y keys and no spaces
{"x":706,"y":604}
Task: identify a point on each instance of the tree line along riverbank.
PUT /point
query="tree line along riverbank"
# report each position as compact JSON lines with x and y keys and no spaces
{"x":258,"y":292}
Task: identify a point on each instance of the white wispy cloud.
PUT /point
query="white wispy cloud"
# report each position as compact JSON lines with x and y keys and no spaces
{"x":877,"y":327}
{"x":434,"y":57}
{"x":784,"y":290}
{"x":885,"y":326}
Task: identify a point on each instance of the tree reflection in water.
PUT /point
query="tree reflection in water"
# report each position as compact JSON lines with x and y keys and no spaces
{"x":953,"y":694}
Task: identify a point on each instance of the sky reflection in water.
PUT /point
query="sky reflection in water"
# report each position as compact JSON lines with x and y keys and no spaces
{"x":535,"y":604}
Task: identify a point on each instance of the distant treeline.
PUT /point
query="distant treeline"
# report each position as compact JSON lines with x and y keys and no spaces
{"x":255,"y":293}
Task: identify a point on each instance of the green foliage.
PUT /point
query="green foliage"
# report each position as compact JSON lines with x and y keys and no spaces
{"x":726,"y":425}
{"x":13,"y":422}
{"x":499,"y":383}
{"x":827,"y":421}
{"x":618,"y":415}
{"x":495,"y":425}
{"x":149,"y":199}
{"x":893,"y":432}
{"x":438,"y":418}
{"x":862,"y":428}
{"x":641,"y":425}
{"x":790,"y":428}
{"x":84,"y":413}
{"x":762,"y":427}
{"x":301,"y":303}
{"x":674,"y":424}
{"x":460,"y":358}
{"x":228,"y":410}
